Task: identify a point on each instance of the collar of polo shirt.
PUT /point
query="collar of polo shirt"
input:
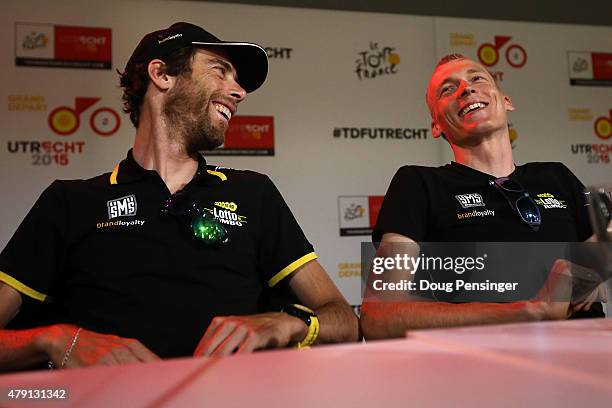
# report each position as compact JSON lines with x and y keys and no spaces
{"x":129,"y":171}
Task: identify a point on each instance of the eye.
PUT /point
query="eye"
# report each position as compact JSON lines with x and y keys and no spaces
{"x":220,"y":69}
{"x":445,"y":90}
{"x":478,"y":78}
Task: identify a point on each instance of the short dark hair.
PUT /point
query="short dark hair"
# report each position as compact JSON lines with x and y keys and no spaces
{"x":448,"y":58}
{"x":136,"y":81}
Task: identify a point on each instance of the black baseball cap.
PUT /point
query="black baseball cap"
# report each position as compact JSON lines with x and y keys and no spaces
{"x":250,"y":60}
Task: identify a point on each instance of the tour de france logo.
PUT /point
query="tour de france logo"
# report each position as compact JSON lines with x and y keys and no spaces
{"x":35,"y":40}
{"x":65,"y":120}
{"x":354,"y":211}
{"x":376,"y":61}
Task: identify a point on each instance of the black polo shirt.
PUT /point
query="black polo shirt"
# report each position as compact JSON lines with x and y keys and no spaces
{"x":104,"y":257}
{"x":456,"y":203}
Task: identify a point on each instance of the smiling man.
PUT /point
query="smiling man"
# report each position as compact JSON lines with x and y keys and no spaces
{"x":482,"y":196}
{"x":166,"y":256}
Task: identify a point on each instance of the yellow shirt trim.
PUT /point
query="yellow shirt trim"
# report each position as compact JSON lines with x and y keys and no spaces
{"x":20,"y":287}
{"x":290,"y":268}
{"x":222,"y":176}
{"x":113,"y":176}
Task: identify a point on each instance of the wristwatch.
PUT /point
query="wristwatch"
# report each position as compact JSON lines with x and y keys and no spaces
{"x":310,"y":318}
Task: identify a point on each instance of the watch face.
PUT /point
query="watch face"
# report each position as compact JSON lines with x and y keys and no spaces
{"x":296,"y":310}
{"x":306,"y":320}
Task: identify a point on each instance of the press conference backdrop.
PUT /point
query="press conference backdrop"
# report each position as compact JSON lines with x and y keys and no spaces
{"x":342,"y":109}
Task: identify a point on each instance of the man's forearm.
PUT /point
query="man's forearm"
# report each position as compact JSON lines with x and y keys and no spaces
{"x":381,"y":320}
{"x":337,"y":322}
{"x":20,"y":349}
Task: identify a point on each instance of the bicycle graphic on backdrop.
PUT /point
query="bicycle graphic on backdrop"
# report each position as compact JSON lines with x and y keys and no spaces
{"x":65,"y":120}
{"x":489,"y":53}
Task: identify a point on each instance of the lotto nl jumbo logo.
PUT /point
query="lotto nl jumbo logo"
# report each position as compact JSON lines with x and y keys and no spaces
{"x":65,"y":120}
{"x":122,"y":207}
{"x":603,"y":126}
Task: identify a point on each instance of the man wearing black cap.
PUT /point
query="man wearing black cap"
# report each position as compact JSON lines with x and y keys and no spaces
{"x":165,"y":255}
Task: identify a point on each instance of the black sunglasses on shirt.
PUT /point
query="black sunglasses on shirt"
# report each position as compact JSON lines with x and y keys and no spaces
{"x":204,"y":226}
{"x":520,"y":201}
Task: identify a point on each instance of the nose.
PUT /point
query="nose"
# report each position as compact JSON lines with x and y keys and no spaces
{"x":466,"y":89}
{"x":236,"y":91}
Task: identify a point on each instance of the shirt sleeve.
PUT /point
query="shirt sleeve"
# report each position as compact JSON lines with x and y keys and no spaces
{"x":405,"y":208}
{"x":283,"y":245}
{"x":580,"y":208}
{"x":33,"y":257}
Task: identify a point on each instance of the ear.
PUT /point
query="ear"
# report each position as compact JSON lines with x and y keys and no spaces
{"x":158,"y":76}
{"x":508,"y":104}
{"x":436,"y":130}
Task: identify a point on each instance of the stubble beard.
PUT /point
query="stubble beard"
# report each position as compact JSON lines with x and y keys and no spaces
{"x":187,"y":118}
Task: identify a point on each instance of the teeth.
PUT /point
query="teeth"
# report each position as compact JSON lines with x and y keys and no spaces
{"x":224,"y":110}
{"x":472,"y":107}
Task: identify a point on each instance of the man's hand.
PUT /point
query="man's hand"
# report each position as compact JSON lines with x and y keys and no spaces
{"x":553,"y":300}
{"x":91,"y":348}
{"x":568,"y":289}
{"x":597,"y":295}
{"x":587,"y":288}
{"x":244,"y":334}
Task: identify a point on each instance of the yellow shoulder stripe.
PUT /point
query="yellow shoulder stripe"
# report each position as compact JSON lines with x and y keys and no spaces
{"x":222,"y":176}
{"x":113,"y":176}
{"x":290,"y":268}
{"x":20,"y":287}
